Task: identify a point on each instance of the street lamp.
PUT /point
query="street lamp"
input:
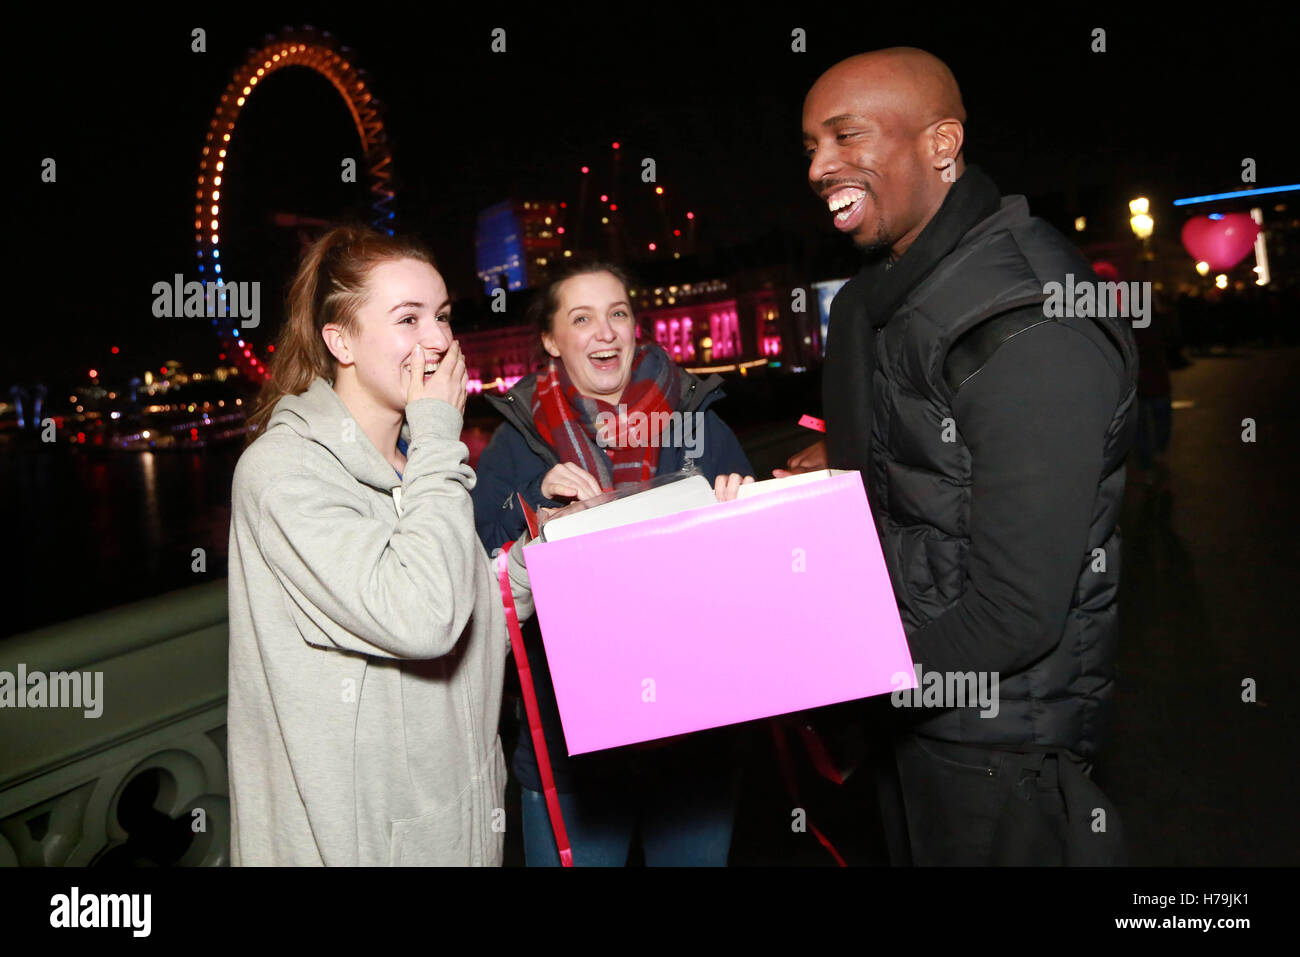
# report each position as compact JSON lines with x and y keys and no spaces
{"x":1140,"y":218}
{"x":1261,"y":252}
{"x":1142,"y":224}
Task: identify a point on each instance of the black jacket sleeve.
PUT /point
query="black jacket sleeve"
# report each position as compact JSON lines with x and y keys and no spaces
{"x":1034,"y":418}
{"x":722,"y":452}
{"x":506,"y":467}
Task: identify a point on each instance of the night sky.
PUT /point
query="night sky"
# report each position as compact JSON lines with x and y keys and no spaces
{"x":122,"y":104}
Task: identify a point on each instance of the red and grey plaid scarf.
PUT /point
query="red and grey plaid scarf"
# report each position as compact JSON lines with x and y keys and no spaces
{"x":567,"y":420}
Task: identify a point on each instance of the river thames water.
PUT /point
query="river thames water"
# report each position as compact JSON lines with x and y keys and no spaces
{"x":87,"y":530}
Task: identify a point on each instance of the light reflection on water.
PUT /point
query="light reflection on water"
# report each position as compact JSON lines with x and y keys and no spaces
{"x":149,"y":480}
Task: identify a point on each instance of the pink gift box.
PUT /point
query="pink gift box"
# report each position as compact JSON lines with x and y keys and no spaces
{"x":727,"y":613}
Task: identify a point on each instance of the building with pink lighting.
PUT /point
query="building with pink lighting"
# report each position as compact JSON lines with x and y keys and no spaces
{"x":498,"y":358}
{"x":705,"y":323}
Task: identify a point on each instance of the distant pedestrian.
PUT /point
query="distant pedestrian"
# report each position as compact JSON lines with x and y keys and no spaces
{"x":1155,"y":417}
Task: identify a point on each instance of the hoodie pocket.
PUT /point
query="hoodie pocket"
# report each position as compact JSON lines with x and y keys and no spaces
{"x":490,"y":784}
{"x":438,"y":839}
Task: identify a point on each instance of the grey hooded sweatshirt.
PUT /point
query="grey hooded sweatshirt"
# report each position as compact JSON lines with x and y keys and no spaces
{"x":367,"y":647}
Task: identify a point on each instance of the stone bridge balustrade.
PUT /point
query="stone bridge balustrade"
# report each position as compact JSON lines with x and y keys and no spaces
{"x":144,"y":782}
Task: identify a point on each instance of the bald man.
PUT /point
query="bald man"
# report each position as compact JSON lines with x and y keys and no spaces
{"x":992,"y":439}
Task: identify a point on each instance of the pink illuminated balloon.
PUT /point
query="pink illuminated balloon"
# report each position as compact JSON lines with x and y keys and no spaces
{"x":1220,"y":242}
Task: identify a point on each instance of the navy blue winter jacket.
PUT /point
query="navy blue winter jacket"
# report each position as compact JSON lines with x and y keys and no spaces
{"x":515,"y":461}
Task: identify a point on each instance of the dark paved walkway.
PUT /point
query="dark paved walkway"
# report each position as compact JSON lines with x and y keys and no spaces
{"x":1209,"y":599}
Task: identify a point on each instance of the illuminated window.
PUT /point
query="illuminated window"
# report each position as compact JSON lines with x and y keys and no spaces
{"x":724,"y":332}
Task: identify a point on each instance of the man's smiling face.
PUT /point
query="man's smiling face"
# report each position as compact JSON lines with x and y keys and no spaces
{"x":873,"y":130}
{"x":859,"y":164}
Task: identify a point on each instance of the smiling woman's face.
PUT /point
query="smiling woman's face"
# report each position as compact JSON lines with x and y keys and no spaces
{"x":406,"y":303}
{"x":593,"y":333}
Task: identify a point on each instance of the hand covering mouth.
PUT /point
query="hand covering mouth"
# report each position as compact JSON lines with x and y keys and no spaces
{"x":430,"y":367}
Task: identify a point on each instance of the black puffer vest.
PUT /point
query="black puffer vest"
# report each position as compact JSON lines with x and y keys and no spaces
{"x":920,"y":485}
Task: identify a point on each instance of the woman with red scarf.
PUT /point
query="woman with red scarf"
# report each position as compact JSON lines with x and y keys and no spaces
{"x":555,"y":447}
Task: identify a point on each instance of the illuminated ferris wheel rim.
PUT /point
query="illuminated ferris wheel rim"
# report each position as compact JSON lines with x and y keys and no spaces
{"x":316,"y":51}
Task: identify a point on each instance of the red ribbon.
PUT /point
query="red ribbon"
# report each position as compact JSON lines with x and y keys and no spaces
{"x":787,"y":772}
{"x":821,"y":758}
{"x":534,"y":714}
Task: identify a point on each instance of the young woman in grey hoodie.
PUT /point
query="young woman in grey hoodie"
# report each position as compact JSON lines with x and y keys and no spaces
{"x":367,"y":637}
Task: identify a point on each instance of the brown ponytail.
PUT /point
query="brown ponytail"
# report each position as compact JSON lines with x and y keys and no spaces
{"x":329,"y":288}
